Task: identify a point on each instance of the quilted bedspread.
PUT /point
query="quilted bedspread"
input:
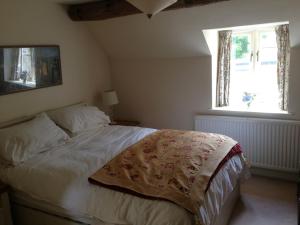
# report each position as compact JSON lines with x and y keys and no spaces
{"x":169,"y":164}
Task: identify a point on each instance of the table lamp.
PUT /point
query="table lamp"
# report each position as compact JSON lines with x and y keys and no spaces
{"x":110,"y":98}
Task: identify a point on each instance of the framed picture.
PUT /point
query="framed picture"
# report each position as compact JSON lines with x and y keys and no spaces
{"x":24,"y":68}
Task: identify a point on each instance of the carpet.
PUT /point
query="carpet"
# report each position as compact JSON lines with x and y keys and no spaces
{"x":266,"y":201}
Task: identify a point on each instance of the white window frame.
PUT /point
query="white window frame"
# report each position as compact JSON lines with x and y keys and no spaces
{"x":255,"y":42}
{"x":255,"y":50}
{"x":211,"y":37}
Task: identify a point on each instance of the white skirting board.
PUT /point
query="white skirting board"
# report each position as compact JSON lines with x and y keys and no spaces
{"x":289,"y":176}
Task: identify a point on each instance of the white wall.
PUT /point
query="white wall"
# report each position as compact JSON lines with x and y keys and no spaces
{"x":178,"y":33}
{"x":167,"y":93}
{"x":85,"y":67}
{"x":162,"y":93}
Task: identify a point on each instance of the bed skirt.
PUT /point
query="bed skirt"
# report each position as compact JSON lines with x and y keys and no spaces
{"x":25,"y":213}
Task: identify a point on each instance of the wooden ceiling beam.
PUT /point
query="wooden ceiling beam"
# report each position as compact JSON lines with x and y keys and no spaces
{"x":106,"y":9}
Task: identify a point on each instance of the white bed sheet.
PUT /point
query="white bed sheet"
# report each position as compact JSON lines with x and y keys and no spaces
{"x":60,"y":178}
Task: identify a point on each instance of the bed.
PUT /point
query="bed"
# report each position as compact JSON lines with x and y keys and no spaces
{"x":52,"y":187}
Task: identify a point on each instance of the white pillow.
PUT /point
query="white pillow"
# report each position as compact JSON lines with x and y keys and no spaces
{"x":79,"y":118}
{"x":20,"y":142}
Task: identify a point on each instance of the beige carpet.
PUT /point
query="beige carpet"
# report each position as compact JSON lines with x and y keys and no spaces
{"x":266,"y":202}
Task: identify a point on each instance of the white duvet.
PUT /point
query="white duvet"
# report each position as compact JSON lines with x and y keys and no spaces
{"x":59,"y":177}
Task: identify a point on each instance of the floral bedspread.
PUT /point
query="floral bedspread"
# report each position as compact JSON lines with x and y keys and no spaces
{"x":168,"y":164}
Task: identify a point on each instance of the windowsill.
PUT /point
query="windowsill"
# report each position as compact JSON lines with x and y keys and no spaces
{"x":249,"y":111}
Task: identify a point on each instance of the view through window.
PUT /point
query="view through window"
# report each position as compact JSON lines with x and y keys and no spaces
{"x":253,"y":76}
{"x":26,"y":66}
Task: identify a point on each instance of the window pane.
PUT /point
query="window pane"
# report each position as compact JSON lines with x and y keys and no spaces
{"x":266,"y":71}
{"x":241,"y":69}
{"x":241,"y":52}
{"x":253,"y":83}
{"x":267,"y":49}
{"x":26,"y":67}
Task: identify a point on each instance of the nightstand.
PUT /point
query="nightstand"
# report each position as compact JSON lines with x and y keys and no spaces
{"x":126,"y":123}
{"x":5,"y":214}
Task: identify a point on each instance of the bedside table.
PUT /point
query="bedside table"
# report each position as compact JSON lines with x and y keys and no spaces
{"x":5,"y":214}
{"x":126,"y":123}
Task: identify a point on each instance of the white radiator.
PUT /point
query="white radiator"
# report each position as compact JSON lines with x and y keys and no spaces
{"x":267,"y":143}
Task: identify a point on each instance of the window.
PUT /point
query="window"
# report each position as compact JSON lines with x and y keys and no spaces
{"x":251,"y":67}
{"x":21,"y":66}
{"x":253,"y":73}
{"x":26,"y":66}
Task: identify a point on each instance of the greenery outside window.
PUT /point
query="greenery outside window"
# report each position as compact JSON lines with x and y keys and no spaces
{"x":253,"y":73}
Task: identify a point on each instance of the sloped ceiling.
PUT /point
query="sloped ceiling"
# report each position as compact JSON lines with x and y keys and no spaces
{"x":178,"y":33}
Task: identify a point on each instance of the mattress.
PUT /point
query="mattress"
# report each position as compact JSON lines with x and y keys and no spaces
{"x":56,"y":181}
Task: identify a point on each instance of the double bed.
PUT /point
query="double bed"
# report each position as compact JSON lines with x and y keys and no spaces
{"x":52,"y":187}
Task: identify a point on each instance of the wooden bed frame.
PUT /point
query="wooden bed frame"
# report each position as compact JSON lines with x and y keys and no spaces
{"x":25,"y":214}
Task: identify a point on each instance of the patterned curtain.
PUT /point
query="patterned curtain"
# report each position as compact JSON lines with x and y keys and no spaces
{"x":223,"y":69}
{"x":283,"y":64}
{"x":31,"y":76}
{"x":15,"y":59}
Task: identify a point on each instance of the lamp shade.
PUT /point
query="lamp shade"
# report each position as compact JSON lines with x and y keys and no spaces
{"x":151,"y":7}
{"x":110,"y":98}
